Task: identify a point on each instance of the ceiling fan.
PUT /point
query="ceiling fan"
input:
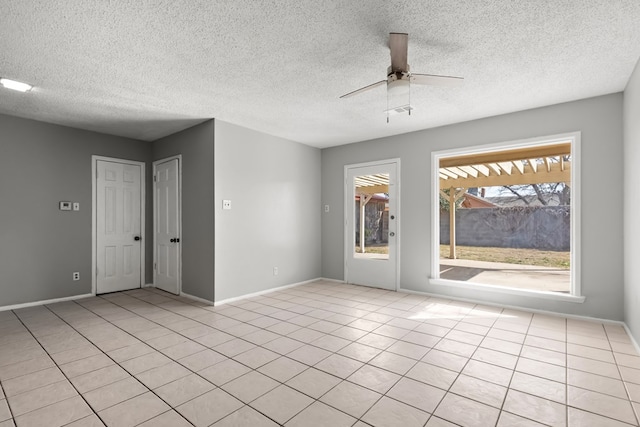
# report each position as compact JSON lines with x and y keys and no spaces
{"x":399,"y":78}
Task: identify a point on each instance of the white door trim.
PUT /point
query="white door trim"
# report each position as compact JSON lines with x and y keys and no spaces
{"x":398,"y":213}
{"x":155,"y":164}
{"x":94,"y":215}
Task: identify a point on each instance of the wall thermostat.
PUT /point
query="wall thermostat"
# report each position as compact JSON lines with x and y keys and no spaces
{"x":65,"y":206}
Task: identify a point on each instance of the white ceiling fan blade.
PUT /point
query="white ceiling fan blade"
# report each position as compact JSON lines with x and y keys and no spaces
{"x":364,"y":89}
{"x":399,"y":44}
{"x":435,"y":80}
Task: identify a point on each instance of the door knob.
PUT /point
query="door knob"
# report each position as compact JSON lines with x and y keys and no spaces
{"x":392,"y":234}
{"x":136,"y":238}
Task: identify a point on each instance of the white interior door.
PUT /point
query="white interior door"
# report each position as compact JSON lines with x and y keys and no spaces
{"x":118,"y":226}
{"x":371,"y":211}
{"x":166,"y":222}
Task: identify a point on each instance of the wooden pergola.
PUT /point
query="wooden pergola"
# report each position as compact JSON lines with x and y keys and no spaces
{"x":531,"y":165}
{"x":366,"y":187}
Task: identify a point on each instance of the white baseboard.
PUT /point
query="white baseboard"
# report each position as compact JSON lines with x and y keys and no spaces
{"x":266,"y":291}
{"x":633,"y":340}
{"x":326,"y":279}
{"x":43,"y":302}
{"x":195,"y":298}
{"x":148,"y":285}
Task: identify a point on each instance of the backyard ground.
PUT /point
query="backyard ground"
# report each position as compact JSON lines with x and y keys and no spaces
{"x":511,"y":256}
{"x":506,"y":255}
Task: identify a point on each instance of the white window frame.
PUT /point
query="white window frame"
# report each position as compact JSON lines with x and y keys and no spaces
{"x":436,"y":156}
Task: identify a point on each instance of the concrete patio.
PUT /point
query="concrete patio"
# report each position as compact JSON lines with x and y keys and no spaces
{"x":507,"y":275}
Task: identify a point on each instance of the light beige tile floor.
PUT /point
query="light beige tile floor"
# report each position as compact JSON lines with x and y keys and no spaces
{"x":318,"y":354}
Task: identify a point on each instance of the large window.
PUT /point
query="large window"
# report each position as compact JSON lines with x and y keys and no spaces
{"x":506,"y":217}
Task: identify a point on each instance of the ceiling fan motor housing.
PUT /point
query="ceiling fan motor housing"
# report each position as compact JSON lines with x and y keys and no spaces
{"x":399,"y":77}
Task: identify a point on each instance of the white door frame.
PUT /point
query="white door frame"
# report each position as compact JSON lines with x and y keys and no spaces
{"x":94,"y":215}
{"x":155,"y":164}
{"x":398,"y":213}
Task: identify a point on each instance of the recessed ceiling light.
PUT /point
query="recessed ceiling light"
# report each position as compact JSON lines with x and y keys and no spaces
{"x":12,"y":84}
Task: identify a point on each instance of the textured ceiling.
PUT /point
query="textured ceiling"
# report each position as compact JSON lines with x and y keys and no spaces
{"x":145,"y":69}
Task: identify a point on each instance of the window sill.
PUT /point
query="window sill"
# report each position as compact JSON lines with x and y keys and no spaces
{"x":507,"y":291}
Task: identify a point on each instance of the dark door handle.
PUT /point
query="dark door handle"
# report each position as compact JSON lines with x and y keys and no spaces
{"x":175,"y":240}
{"x":136,"y":238}
{"x":172,"y":240}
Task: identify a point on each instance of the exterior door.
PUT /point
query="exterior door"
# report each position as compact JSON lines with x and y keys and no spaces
{"x":118,"y":226}
{"x":371,"y":210}
{"x":166,"y":224}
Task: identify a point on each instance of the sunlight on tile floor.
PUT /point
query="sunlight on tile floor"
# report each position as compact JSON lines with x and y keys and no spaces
{"x":313,"y":355}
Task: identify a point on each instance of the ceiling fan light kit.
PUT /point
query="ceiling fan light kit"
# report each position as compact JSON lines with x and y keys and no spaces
{"x":398,"y":96}
{"x":400,"y":78}
{"x":398,"y":87}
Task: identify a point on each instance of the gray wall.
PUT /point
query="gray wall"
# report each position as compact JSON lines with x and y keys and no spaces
{"x":196,"y":147}
{"x":274,"y":221}
{"x":632,"y":204}
{"x":600,"y":121}
{"x":40,"y":246}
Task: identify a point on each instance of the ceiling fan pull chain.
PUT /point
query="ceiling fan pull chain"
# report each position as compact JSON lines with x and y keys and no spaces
{"x":387,"y":107}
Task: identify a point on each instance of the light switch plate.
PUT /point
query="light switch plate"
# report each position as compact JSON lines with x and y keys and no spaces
{"x":65,"y":206}
{"x":226,"y":204}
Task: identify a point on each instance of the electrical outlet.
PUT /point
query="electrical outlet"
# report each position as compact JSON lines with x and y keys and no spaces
{"x":76,"y":275}
{"x":76,"y":206}
{"x":226,"y":204}
{"x":275,"y":271}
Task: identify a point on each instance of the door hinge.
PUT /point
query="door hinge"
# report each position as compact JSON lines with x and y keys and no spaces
{"x":155,"y":178}
{"x":155,"y":266}
{"x":97,"y":272}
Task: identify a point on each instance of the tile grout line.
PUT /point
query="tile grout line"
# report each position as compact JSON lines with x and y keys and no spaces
{"x":319,"y":304}
{"x":513,"y":372}
{"x":176,"y":361}
{"x":452,"y":328}
{"x":448,"y":390}
{"x":308,"y":367}
{"x":594,"y":391}
{"x":60,"y":370}
{"x":624,"y":383}
{"x":107,"y":355}
{"x":341,"y":379}
{"x":7,"y":399}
